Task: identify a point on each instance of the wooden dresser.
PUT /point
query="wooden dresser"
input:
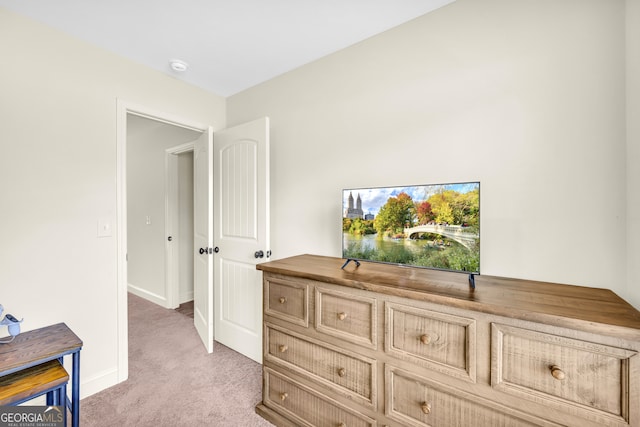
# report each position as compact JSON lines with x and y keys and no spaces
{"x":382,"y":345}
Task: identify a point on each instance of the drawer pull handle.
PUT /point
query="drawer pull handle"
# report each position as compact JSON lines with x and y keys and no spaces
{"x":283,"y":396}
{"x":282,"y":300}
{"x":426,"y":408}
{"x":425,"y":339}
{"x":342,"y":372}
{"x":342,"y":316}
{"x":557,"y":373}
{"x":283,"y":348}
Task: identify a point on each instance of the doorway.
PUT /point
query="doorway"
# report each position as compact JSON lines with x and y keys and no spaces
{"x":157,"y":171}
{"x":243,"y":153}
{"x":179,"y":225}
{"x":143,"y":138}
{"x":184,"y":285}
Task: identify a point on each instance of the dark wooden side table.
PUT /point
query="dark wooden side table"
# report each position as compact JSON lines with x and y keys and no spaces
{"x":42,"y":345}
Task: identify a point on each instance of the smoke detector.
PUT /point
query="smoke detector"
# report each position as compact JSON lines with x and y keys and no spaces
{"x":178,"y":65}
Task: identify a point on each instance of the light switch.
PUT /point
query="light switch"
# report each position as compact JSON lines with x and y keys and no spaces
{"x":104,"y":228}
{"x":148,"y":220}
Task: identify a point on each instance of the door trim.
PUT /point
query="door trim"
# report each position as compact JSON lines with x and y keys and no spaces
{"x":124,"y":108}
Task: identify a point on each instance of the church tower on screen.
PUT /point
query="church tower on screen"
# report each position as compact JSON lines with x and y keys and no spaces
{"x":354,"y":212}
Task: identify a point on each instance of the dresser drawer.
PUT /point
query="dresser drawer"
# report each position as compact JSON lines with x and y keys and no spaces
{"x":583,"y":378}
{"x":344,"y":372}
{"x":416,"y":401}
{"x":287,"y":300}
{"x":307,"y":407}
{"x":346,"y":316}
{"x":435,"y":340}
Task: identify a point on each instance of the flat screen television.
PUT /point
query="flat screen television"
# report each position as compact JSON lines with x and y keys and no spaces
{"x":430,"y":226}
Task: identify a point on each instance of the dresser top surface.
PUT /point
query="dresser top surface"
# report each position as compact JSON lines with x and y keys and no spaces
{"x":592,"y":309}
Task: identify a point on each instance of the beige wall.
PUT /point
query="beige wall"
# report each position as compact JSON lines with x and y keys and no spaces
{"x":58,"y":178}
{"x":528,"y":97}
{"x":633,"y":149}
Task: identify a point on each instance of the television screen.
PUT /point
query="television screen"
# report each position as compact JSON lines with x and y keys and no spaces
{"x":430,"y":226}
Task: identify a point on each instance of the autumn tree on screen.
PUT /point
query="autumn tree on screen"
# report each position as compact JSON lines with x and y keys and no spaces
{"x":394,"y":215}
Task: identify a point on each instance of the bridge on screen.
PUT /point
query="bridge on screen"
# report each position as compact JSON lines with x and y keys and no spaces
{"x":458,"y":233}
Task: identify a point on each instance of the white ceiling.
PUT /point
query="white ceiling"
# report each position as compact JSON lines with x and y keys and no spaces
{"x":230,"y":45}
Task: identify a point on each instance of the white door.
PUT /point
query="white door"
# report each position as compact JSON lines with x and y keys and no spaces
{"x":203,"y":238}
{"x":241,"y":234}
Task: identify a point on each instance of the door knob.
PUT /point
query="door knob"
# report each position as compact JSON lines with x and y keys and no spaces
{"x":203,"y":251}
{"x":259,"y":254}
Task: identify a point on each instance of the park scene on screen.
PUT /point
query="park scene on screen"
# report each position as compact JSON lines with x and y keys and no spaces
{"x":430,"y":226}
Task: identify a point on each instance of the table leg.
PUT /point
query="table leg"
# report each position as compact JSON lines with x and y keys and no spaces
{"x":63,"y":401}
{"x":75,"y":391}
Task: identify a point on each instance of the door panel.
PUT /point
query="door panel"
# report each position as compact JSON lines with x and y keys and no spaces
{"x":203,"y":238}
{"x":241,"y":229}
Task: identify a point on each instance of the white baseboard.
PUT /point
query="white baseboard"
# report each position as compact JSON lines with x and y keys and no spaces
{"x":149,"y":296}
{"x":98,"y":382}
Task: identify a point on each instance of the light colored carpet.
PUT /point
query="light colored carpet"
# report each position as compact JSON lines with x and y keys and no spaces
{"x":186,"y":308}
{"x":173,"y":381}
